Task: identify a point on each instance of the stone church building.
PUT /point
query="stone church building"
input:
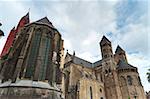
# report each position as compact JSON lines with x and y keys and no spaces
{"x":112,"y":77}
{"x":31,"y":60}
{"x":33,"y":66}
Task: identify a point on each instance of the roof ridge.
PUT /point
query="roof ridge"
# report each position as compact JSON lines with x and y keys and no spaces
{"x":45,"y":20}
{"x":124,"y":65}
{"x":83,"y":59}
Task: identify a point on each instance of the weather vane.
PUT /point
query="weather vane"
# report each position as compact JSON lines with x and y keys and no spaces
{"x":1,"y":32}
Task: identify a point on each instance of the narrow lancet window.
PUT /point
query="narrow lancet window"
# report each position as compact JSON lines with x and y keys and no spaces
{"x":91,"y":94}
{"x":129,"y":78}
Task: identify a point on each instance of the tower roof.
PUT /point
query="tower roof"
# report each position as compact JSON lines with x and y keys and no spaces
{"x":122,"y":64}
{"x":23,"y":21}
{"x":25,"y":18}
{"x":104,"y":40}
{"x":45,"y":20}
{"x":119,"y":49}
{"x":27,"y":15}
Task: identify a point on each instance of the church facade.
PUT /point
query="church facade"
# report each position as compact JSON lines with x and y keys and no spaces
{"x":112,"y":77}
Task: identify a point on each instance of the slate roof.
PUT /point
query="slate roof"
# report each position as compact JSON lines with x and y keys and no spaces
{"x":97,"y":63}
{"x":45,"y":20}
{"x":118,"y":49}
{"x":83,"y":62}
{"x":104,"y":40}
{"x":124,"y":65}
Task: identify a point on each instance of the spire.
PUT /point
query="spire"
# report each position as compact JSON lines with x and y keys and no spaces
{"x":119,"y":49}
{"x":73,"y":56}
{"x":23,"y":21}
{"x":104,"y":40}
{"x":25,"y":18}
{"x":73,"y":53}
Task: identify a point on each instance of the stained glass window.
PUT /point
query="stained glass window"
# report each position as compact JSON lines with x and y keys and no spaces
{"x":33,"y":55}
{"x":45,"y":52}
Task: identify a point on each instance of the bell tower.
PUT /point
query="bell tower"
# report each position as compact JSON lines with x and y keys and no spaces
{"x":107,"y":55}
{"x":106,"y":48}
{"x":120,"y":54}
{"x":110,"y":76}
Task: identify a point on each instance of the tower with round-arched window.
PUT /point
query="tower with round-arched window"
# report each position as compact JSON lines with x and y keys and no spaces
{"x":129,"y":81}
{"x":109,"y":73}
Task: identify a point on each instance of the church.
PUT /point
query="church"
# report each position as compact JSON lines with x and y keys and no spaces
{"x":31,"y":60}
{"x":112,"y":77}
{"x":33,"y":66}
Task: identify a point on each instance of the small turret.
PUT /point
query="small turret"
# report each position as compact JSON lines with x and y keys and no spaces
{"x":106,"y":48}
{"x":120,"y":54}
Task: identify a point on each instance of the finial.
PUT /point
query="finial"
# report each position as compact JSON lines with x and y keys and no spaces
{"x":29,"y":10}
{"x":73,"y":53}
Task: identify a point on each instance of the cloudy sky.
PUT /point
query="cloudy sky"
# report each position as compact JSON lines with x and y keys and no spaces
{"x":82,"y":24}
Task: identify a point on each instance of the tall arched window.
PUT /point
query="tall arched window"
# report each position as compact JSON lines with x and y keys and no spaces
{"x":46,"y":43}
{"x":35,"y":43}
{"x":129,"y":78}
{"x":91,"y":94}
{"x":101,"y":78}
